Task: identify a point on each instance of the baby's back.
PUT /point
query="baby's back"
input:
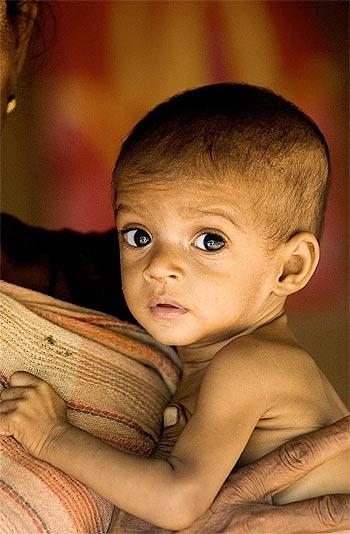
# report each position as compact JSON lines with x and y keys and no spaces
{"x":300,"y":399}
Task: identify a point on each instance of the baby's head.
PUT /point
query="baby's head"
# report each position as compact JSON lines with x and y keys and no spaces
{"x":240,"y":134}
{"x":244,"y":151}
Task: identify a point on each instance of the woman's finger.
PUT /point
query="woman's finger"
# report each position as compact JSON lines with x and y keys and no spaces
{"x":13,"y":393}
{"x":175,"y":416}
{"x":285,"y":465}
{"x":175,"y":420}
{"x":329,"y":513}
{"x":303,"y":454}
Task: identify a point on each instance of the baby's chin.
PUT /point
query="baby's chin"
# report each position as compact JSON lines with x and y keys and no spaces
{"x":173,"y":340}
{"x":179,"y":331}
{"x":175,"y":337}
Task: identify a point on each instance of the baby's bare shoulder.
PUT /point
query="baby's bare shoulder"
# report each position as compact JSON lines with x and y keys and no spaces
{"x":276,"y":364}
{"x":283,"y":372}
{"x":273,"y":373}
{"x":266,"y":353}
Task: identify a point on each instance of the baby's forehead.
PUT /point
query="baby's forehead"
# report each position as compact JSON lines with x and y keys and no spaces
{"x":183,"y":192}
{"x":190,"y":196}
{"x":179,"y":181}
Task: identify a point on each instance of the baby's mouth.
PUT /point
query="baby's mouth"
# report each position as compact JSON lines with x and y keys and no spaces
{"x":165,"y":308}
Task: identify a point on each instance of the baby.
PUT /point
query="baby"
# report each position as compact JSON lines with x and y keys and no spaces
{"x":220,"y":196}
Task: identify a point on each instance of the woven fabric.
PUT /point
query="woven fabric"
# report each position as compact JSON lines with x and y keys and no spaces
{"x":116,"y":381}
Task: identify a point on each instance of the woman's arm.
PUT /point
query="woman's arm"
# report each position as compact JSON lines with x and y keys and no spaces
{"x":76,"y":267}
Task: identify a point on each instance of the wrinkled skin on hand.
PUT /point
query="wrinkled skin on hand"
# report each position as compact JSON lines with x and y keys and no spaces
{"x":32,"y":413}
{"x":244,"y":504}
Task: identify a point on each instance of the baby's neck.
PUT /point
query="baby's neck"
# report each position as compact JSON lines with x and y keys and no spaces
{"x":198,"y":356}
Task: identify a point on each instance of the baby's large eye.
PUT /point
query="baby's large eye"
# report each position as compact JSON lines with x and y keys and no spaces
{"x":136,"y":237}
{"x":209,"y":242}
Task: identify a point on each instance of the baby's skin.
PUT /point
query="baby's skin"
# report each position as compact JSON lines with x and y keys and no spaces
{"x":290,"y":396}
{"x":197,"y":274}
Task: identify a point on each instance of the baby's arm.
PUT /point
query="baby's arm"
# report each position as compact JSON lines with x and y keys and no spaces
{"x":171,"y":494}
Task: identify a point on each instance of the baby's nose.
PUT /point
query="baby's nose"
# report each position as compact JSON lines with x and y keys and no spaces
{"x":164,"y":265}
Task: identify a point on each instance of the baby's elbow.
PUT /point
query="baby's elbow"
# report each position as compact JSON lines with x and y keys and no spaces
{"x":176,"y":520}
{"x":180,"y":520}
{"x":182,"y":512}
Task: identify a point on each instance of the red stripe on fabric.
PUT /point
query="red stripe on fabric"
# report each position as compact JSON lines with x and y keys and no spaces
{"x":24,"y":505}
{"x":111,"y":415}
{"x":137,"y":350}
{"x":95,"y":318}
{"x":130,"y":445}
{"x":68,"y":490}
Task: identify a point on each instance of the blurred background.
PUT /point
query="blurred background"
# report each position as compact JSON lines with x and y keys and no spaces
{"x":108,"y":62}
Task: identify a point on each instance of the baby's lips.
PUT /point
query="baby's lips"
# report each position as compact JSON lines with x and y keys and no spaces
{"x":164,"y":300}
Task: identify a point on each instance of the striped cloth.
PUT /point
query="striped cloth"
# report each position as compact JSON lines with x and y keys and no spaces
{"x":116,"y":381}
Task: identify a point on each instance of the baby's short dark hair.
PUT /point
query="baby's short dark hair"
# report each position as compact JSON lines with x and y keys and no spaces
{"x":244,"y":133}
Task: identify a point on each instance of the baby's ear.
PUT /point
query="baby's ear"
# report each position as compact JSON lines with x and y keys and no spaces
{"x":299,"y":259}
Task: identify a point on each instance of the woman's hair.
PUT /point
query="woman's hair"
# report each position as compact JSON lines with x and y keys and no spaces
{"x":13,"y":9}
{"x":44,"y":27}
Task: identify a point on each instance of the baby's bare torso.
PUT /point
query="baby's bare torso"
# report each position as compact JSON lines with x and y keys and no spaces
{"x":298,"y":397}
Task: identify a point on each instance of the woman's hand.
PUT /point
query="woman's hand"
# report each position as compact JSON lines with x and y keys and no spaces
{"x":32,"y":413}
{"x":244,"y":503}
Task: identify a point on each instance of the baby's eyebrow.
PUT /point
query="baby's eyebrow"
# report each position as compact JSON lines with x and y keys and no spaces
{"x":121,"y":207}
{"x":124,"y":208}
{"x":216,"y":211}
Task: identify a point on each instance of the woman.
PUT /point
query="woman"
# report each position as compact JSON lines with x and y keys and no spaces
{"x":64,"y":265}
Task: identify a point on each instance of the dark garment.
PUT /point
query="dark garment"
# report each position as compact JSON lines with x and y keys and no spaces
{"x":80,"y":268}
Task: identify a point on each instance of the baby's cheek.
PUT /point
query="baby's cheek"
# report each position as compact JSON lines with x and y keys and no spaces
{"x":127,"y":270}
{"x":127,"y":287}
{"x":132,"y":291}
